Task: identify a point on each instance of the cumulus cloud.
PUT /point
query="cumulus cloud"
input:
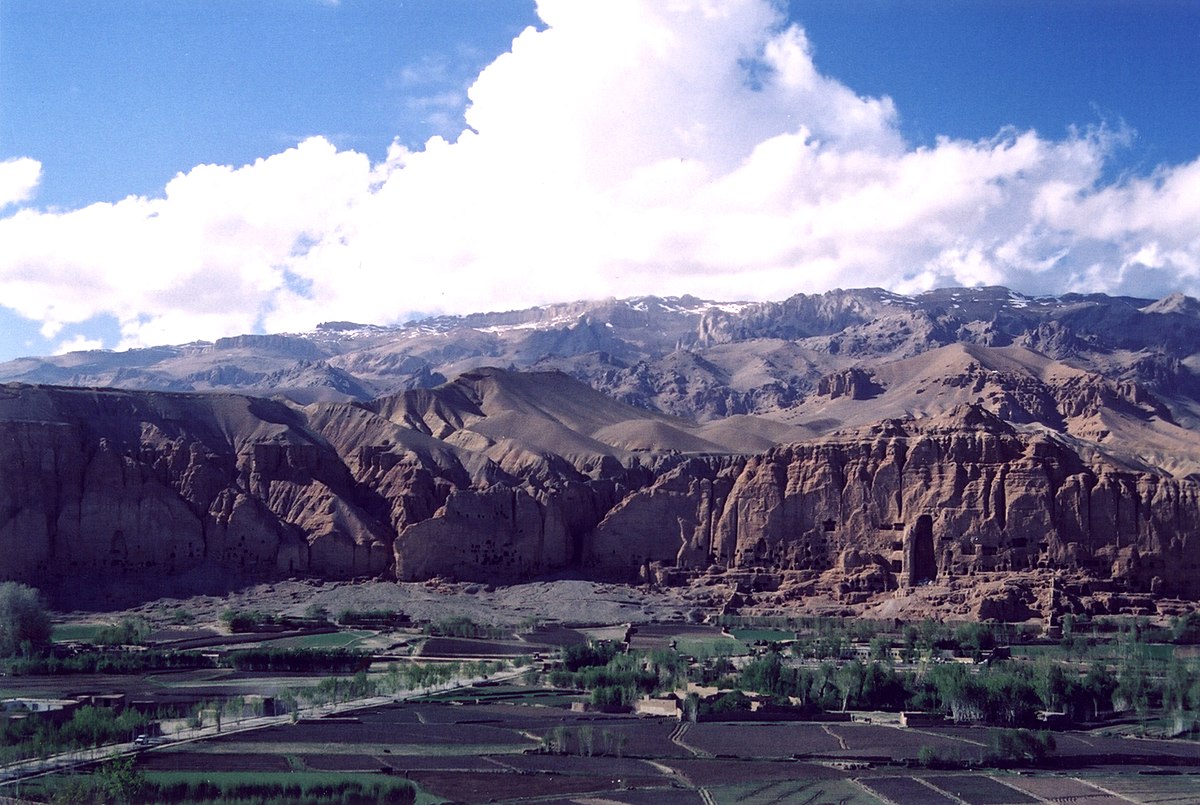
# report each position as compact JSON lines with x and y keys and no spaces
{"x":205,"y":259}
{"x":627,"y":147}
{"x":19,"y":178}
{"x":79,"y":343}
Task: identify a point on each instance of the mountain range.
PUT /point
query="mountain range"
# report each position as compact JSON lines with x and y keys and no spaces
{"x":852,"y":444}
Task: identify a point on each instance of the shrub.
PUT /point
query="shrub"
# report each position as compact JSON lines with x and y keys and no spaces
{"x":24,"y":622}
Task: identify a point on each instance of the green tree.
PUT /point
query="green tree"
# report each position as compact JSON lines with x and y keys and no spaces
{"x":974,"y":639}
{"x":129,"y":632}
{"x":733,"y":702}
{"x":822,"y":691}
{"x":691,"y":708}
{"x":882,"y":688}
{"x":120,"y":779}
{"x":1052,"y":684}
{"x":24,"y":622}
{"x":912,"y":637}
{"x":958,"y":692}
{"x":1175,"y":686}
{"x":1099,"y":685}
{"x":1020,"y":746}
{"x":78,"y":790}
{"x":1009,"y":697}
{"x":849,"y":681}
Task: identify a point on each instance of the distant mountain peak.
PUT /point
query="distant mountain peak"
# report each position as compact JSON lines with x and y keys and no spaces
{"x":1175,"y":303}
{"x":1012,"y":354}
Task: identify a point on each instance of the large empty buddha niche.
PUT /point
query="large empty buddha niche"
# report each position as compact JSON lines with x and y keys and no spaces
{"x":919,"y":558}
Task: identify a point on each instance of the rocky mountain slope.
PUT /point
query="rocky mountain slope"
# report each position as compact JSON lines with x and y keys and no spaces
{"x":708,"y":361}
{"x":145,"y":485}
{"x":685,"y":356}
{"x":845,"y":445}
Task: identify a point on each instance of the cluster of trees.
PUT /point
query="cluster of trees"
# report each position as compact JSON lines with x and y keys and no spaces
{"x":24,"y":621}
{"x":253,"y":620}
{"x":246,"y":620}
{"x":412,"y":676}
{"x":617,"y":680}
{"x":344,"y":688}
{"x":835,"y":640}
{"x":1005,"y":748}
{"x":129,"y":632}
{"x":1134,"y":676}
{"x":1003,"y":693}
{"x":90,"y":726}
{"x":814,"y":630}
{"x":465,"y":627}
{"x":584,"y":655}
{"x":819,"y":638}
{"x":109,"y":662}
{"x":87,"y":727}
{"x":1008,"y":694}
{"x":332,"y":660}
{"x":585,"y":741}
{"x":1017,"y":746}
{"x":119,"y":780}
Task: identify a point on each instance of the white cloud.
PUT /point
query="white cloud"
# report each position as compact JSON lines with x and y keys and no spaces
{"x":204,"y":260}
{"x":19,"y":178}
{"x":631,"y":146}
{"x":79,"y":343}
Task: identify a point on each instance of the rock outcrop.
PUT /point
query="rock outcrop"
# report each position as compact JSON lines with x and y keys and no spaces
{"x":505,"y":477}
{"x":105,"y":485}
{"x":956,"y":495}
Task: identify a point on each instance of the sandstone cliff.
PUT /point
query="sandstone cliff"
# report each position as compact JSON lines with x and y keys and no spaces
{"x":954,"y":495}
{"x":503,"y":477}
{"x":105,"y":484}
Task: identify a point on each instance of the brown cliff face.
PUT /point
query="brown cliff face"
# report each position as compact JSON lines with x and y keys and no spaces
{"x":959,"y":494}
{"x":888,"y":481}
{"x":104,"y":485}
{"x":500,"y":477}
{"x":112,"y":487}
{"x":673,"y":521}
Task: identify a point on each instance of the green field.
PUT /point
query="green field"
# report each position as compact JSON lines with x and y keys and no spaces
{"x":769,"y":635}
{"x":343,"y":639}
{"x":307,"y":781}
{"x":703,"y":648}
{"x":76,"y":632}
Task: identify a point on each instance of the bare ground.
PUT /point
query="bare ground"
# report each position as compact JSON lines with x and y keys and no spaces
{"x":571,"y":602}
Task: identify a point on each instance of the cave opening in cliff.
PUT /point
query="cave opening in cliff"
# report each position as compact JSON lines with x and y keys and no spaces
{"x":922,"y":563}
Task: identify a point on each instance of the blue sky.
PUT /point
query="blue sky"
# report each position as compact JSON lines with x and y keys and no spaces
{"x":618,"y":149}
{"x":116,"y":98}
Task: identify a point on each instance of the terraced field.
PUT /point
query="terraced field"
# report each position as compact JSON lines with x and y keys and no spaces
{"x":506,"y":749}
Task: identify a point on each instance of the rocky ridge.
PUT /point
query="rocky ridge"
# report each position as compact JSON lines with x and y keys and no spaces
{"x":685,"y":356}
{"x":452,"y":483}
{"x":841,"y":447}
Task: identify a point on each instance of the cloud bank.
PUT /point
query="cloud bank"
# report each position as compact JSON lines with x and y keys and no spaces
{"x":19,"y":179}
{"x":628,"y":147}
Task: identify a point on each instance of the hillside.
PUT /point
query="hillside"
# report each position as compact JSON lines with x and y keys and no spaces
{"x":841,"y":447}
